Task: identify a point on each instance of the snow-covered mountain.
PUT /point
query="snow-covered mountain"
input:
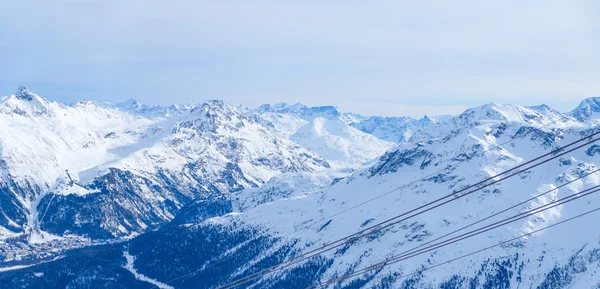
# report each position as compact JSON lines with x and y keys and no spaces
{"x":342,"y":145}
{"x":214,"y":193}
{"x":326,"y":131}
{"x":396,"y":129}
{"x":309,"y":113}
{"x":588,"y":110}
{"x":134,"y":107}
{"x":288,"y":118}
{"x":102,"y":172}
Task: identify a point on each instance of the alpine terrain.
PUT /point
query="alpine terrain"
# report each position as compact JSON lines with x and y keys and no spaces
{"x":214,"y":195}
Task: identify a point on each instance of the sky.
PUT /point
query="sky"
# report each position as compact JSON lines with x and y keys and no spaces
{"x":387,"y":58}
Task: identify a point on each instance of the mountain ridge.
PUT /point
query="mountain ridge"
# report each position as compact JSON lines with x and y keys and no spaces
{"x":226,"y":192}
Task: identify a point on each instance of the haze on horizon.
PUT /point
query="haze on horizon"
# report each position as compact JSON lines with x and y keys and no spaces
{"x":384,"y":58}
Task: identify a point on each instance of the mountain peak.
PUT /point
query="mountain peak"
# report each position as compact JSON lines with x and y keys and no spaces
{"x":282,"y":107}
{"x":592,"y":102}
{"x":129,"y":102}
{"x":214,"y":106}
{"x":540,"y":107}
{"x":494,"y":112}
{"x":587,"y":109}
{"x":24,"y":93}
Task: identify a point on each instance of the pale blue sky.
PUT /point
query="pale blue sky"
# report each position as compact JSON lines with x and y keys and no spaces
{"x":371,"y":57}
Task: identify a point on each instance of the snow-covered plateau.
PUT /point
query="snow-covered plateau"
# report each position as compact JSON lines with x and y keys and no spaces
{"x":102,"y":195}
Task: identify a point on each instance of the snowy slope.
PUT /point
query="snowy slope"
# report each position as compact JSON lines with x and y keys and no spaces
{"x":216,"y":134}
{"x":308,"y":217}
{"x":324,"y":130}
{"x":308,"y":113}
{"x":284,"y":186}
{"x":42,"y":139}
{"x":588,"y":110}
{"x":134,"y":107}
{"x":497,"y":114}
{"x":101,"y":170}
{"x":396,"y":129}
{"x":283,"y":123}
{"x":533,"y":116}
{"x":247,"y":190}
{"x":41,"y":142}
{"x":289,"y":118}
{"x":296,"y":212}
{"x":472,"y":143}
{"x":340,"y":144}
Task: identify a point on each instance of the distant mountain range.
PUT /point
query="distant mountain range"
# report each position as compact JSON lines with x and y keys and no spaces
{"x":101,"y":195}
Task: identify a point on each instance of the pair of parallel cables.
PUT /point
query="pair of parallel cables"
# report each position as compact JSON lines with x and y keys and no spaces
{"x":422,"y":249}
